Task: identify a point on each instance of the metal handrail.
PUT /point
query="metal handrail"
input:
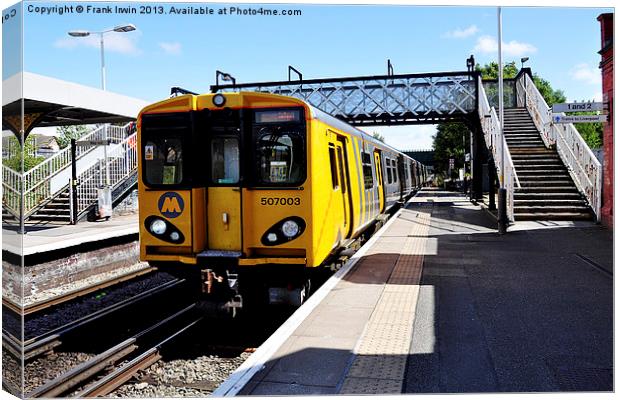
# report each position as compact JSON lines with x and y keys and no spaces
{"x":582,"y":164}
{"x":122,"y":162}
{"x":492,"y":136}
{"x":37,"y":181}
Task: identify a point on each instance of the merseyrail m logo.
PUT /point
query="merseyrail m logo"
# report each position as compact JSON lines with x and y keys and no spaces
{"x":170,"y":205}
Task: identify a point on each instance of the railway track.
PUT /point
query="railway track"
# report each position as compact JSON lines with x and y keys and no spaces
{"x":34,"y":347}
{"x":110,"y":369}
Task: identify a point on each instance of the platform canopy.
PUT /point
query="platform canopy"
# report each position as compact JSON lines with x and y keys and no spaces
{"x":54,"y":102}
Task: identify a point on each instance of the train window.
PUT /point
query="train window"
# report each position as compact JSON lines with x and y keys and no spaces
{"x":332,"y":164}
{"x":225,"y":160}
{"x":280,"y":154}
{"x":342,"y":167}
{"x":367,"y":170}
{"x":163,"y":158}
{"x":389,"y":170}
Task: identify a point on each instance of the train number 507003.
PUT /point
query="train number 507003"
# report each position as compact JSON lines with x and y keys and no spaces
{"x":280,"y":201}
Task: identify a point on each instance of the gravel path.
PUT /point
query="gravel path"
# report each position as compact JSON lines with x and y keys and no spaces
{"x":182,"y":378}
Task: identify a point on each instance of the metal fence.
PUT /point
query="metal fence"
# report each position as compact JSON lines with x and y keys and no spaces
{"x":581,"y":162}
{"x":496,"y":143}
{"x":37,"y":188}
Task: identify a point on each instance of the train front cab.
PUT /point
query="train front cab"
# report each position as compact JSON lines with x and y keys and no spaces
{"x":228,"y":198}
{"x":223,"y":187}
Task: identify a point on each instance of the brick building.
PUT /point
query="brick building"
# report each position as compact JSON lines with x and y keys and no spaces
{"x":607,"y":70}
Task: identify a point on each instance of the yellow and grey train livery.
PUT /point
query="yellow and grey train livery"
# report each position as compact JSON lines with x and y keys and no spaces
{"x":249,"y":193}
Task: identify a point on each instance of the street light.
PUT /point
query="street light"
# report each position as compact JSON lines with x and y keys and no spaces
{"x":523,"y":60}
{"x":225,"y":77}
{"x":119,"y":29}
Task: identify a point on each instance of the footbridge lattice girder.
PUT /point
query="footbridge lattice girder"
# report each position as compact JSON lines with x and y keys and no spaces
{"x":380,"y":100}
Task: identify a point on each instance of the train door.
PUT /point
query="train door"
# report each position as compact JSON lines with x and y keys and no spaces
{"x":224,"y":191}
{"x":345,"y":185}
{"x":380,"y":186}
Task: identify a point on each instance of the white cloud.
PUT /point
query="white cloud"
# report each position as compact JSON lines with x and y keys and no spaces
{"x":173,"y":48}
{"x":124,"y":43}
{"x":586,"y":73}
{"x":461,"y":33}
{"x":488,"y":44}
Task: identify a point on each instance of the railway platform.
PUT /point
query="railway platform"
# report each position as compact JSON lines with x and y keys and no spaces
{"x":65,"y":260}
{"x":438,"y":302}
{"x":46,"y":238}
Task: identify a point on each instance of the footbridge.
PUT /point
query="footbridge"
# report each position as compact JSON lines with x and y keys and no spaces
{"x":42,"y":193}
{"x":431,"y":98}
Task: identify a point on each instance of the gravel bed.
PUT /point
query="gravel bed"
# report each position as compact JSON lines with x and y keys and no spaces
{"x":40,"y":323}
{"x":46,"y":368}
{"x":11,"y":370}
{"x":181,"y":378}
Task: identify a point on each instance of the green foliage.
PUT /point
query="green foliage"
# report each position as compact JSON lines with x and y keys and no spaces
{"x":592,"y":133}
{"x":66,"y":133}
{"x":27,"y":153}
{"x":448,"y":143}
{"x":550,"y":95}
{"x":490,"y":70}
{"x":378,"y":136}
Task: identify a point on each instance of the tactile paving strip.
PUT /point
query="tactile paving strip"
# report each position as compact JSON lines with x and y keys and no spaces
{"x":381,"y":353}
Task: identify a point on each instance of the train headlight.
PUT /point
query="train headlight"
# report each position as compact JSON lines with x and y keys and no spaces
{"x":290,"y":228}
{"x":272,"y":237}
{"x":219,"y":100}
{"x":158,"y":227}
{"x":174,"y":236}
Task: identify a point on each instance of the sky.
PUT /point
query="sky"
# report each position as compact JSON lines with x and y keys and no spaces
{"x":324,"y":41}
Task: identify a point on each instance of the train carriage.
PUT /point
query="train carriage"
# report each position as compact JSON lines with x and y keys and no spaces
{"x":249,"y":192}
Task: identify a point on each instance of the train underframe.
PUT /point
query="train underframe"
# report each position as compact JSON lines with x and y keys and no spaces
{"x":225,"y":288}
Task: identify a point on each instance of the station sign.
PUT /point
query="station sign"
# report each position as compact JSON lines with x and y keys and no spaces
{"x":576,"y":107}
{"x":573,"y":119}
{"x":93,"y":142}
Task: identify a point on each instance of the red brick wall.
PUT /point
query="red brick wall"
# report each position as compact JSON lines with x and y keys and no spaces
{"x":607,"y":70}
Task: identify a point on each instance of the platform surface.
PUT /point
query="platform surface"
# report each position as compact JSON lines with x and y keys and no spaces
{"x":440,"y":303}
{"x":49,"y":237}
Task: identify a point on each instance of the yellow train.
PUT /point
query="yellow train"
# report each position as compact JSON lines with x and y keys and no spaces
{"x":249,"y":193}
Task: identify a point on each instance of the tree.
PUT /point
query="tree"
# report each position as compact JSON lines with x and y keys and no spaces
{"x":378,"y":136}
{"x":490,"y":70}
{"x":66,"y":133}
{"x":27,"y":153}
{"x":448,"y":143}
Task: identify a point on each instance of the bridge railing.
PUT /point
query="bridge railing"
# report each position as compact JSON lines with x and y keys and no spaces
{"x":493,"y":138}
{"x":492,"y":92}
{"x":385,"y":99}
{"x":582,"y":164}
{"x":37,"y":182}
{"x":122,"y":162}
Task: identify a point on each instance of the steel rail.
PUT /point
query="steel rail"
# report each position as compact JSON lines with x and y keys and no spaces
{"x":32,"y":346}
{"x":90,"y":368}
{"x":125,"y":372}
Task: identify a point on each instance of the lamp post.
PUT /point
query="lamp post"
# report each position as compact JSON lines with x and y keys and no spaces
{"x":225,"y":77}
{"x":83,"y":33}
{"x":502,"y":211}
{"x":523,"y":60}
{"x":120,"y":29}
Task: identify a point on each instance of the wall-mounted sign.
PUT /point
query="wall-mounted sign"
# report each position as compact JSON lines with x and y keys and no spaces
{"x":573,"y":119}
{"x":576,"y":107}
